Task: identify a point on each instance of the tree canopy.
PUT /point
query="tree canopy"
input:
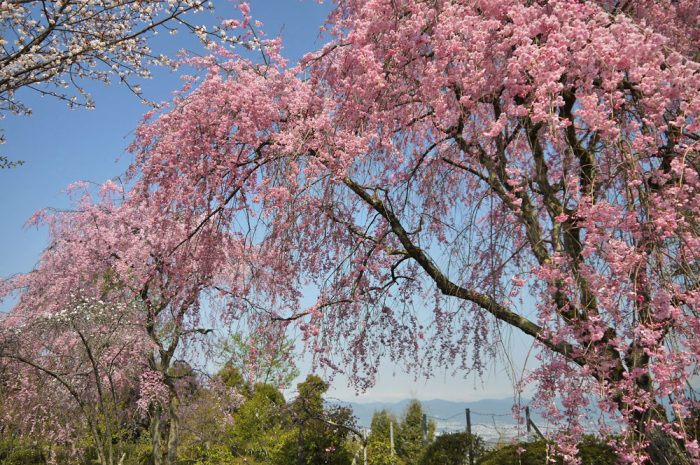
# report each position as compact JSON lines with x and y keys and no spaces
{"x":434,"y":162}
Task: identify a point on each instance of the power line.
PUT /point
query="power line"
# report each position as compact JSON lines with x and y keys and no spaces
{"x":473,"y":413}
{"x":445,"y":419}
{"x":492,"y":414}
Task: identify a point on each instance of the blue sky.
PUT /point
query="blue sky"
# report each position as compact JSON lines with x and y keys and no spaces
{"x":60,"y":146}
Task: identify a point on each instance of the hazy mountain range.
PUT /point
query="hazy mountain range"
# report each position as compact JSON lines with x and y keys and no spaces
{"x":491,"y":419}
{"x":447,"y":414}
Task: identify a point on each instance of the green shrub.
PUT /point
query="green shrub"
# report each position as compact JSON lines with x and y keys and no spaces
{"x":16,"y":452}
{"x":22,"y":456}
{"x":452,"y":449}
{"x":592,"y":451}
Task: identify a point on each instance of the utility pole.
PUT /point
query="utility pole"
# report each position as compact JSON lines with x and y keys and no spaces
{"x":469,"y":421}
{"x":469,"y":436}
{"x":425,"y":429}
{"x":391,"y":436}
{"x":527,"y":418}
{"x":531,"y":424}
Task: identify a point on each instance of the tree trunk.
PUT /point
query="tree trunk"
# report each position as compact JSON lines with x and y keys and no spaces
{"x":174,"y":429}
{"x":155,"y":436}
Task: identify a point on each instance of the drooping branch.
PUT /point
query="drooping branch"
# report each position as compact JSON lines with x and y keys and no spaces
{"x":448,"y":287}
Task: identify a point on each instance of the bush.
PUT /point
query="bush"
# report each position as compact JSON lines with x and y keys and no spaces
{"x":592,"y":451}
{"x":16,"y":452}
{"x":452,"y":449}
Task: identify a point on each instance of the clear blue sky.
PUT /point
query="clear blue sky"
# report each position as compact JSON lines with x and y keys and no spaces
{"x":60,"y":146}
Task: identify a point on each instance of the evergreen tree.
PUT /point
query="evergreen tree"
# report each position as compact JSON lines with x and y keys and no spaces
{"x":411,"y":445}
{"x":258,"y":424}
{"x":379,"y":443}
{"x":322,"y":433}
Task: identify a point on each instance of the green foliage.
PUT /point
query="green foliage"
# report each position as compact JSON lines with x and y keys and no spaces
{"x":134,"y":445}
{"x":257,"y":425}
{"x":592,"y":451}
{"x":14,"y":451}
{"x":694,"y":423}
{"x":379,"y":453}
{"x":137,"y":451}
{"x":273,"y":358}
{"x":452,"y":449}
{"x":213,"y":434}
{"x":265,"y":429}
{"x":309,"y":401}
{"x":216,"y":454}
{"x":320,"y":434}
{"x":380,"y":426}
{"x":531,"y":454}
{"x":232,"y":377}
{"x":379,"y":440}
{"x":411,"y":445}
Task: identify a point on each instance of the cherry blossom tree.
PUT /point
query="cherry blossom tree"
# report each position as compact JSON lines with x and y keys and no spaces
{"x":80,"y":360}
{"x":438,"y":159}
{"x":433,"y":163}
{"x":53,"y":48}
{"x":111,"y":249}
{"x":50,"y":47}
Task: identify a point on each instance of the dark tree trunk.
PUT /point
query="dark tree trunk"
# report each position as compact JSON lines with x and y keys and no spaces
{"x":155,"y":436}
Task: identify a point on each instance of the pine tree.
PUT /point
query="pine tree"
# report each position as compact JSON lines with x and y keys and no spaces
{"x":411,"y":446}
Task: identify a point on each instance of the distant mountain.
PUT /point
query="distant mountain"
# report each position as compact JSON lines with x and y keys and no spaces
{"x":447,"y":414}
{"x":491,"y":419}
